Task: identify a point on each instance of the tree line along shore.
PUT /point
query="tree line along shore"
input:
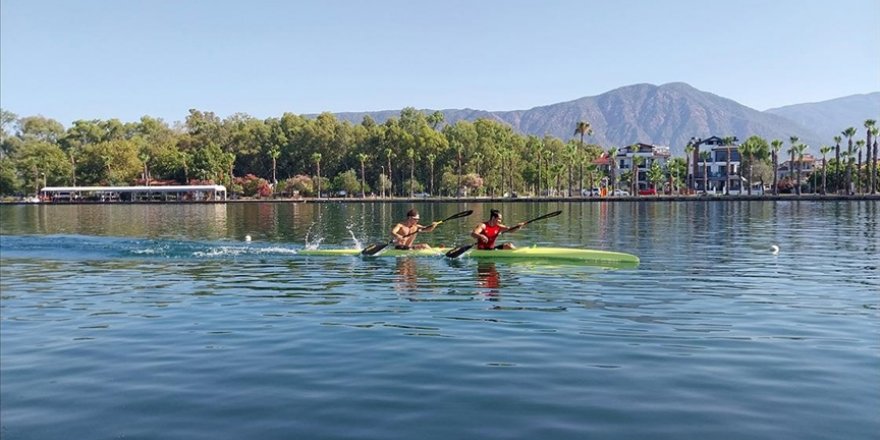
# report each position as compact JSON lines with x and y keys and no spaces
{"x":415,"y":155}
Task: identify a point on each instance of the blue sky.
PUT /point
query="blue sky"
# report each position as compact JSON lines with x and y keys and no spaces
{"x":86,"y":59}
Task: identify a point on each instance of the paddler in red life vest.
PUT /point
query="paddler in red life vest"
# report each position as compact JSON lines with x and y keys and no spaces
{"x":410,"y":226}
{"x":486,"y":233}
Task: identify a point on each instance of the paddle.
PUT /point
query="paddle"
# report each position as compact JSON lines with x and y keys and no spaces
{"x":456,"y":252}
{"x":374,"y":249}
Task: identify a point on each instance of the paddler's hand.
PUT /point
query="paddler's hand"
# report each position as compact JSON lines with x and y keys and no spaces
{"x":517,"y":226}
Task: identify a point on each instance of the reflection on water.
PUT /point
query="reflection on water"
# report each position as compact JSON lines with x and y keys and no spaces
{"x":488,"y":277}
{"x":407,"y":275}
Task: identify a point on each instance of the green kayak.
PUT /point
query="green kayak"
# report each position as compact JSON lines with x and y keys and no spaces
{"x":556,"y":253}
{"x":388,"y":252}
{"x":531,"y":253}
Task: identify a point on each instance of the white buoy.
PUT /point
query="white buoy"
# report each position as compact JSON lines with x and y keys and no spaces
{"x":247,"y":238}
{"x":774,"y":249}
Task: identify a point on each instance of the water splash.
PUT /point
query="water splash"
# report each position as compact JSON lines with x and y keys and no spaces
{"x":357,"y":243}
{"x":312,"y":245}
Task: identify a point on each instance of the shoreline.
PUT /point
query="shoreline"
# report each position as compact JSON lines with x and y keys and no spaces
{"x":653,"y":199}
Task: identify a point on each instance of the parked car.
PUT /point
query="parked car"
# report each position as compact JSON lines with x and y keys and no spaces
{"x":647,"y":192}
{"x":595,"y":192}
{"x":621,"y":192}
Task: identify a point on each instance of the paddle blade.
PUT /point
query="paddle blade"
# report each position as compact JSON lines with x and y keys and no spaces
{"x":456,"y":252}
{"x":374,"y":249}
{"x":459,"y":215}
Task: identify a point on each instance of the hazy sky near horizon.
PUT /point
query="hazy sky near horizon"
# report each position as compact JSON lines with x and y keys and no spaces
{"x":88,"y":59}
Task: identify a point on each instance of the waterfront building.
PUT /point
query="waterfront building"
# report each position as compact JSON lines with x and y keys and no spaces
{"x":649,"y":153}
{"x":719,"y":175}
{"x":184,"y":193}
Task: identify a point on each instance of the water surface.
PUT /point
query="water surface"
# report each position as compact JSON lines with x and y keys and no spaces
{"x":160,"y":321}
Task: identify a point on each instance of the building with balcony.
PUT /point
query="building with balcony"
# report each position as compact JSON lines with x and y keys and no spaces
{"x":808,"y":164}
{"x":650,"y":155}
{"x":718,"y":177}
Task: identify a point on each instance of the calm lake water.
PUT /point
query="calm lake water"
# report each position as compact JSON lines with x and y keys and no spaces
{"x":160,"y":321}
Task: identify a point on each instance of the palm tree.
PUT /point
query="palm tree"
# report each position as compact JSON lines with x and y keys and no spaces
{"x":869,"y":130}
{"x":824,"y":149}
{"x":792,"y":151}
{"x":389,"y":153}
{"x":859,"y":144}
{"x":760,"y":154}
{"x":411,"y":154}
{"x":775,"y":146}
{"x":747,"y":149}
{"x":274,"y":153}
{"x":571,"y":156}
{"x":800,"y":149}
{"x":688,"y":152}
{"x":436,"y":118}
{"x":849,"y":133}
{"x":794,"y":140}
{"x":704,"y":156}
{"x":728,"y":142}
{"x":674,"y":168}
{"x":583,"y":128}
{"x":845,"y":158}
{"x":431,"y":157}
{"x":316,"y":157}
{"x":362,"y":158}
{"x":874,"y":131}
{"x":838,"y":180}
{"x":656,"y":176}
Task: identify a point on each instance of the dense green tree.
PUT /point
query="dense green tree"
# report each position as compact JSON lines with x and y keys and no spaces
{"x":113,"y":162}
{"x":41,"y":129}
{"x":10,"y":183}
{"x":347,"y":181}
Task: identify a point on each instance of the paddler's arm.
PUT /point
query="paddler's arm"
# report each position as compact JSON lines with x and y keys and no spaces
{"x":395,"y":232}
{"x":477,"y":233}
{"x":428,"y":228}
{"x":512,"y":228}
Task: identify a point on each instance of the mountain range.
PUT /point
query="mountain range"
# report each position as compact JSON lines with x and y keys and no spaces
{"x":669,"y":115}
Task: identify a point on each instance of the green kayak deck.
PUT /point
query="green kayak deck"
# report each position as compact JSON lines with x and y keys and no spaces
{"x":531,"y":253}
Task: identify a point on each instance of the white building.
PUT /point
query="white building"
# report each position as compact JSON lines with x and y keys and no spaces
{"x":650,"y":154}
{"x":195,"y":193}
{"x":718,"y":175}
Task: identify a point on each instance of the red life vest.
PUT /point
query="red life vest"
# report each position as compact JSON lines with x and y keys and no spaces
{"x":491,"y":232}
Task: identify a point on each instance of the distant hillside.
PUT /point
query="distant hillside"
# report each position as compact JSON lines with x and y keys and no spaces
{"x":668,"y":115}
{"x":829,"y":118}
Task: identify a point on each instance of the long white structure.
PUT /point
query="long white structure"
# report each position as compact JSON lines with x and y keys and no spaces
{"x":196,"y":193}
